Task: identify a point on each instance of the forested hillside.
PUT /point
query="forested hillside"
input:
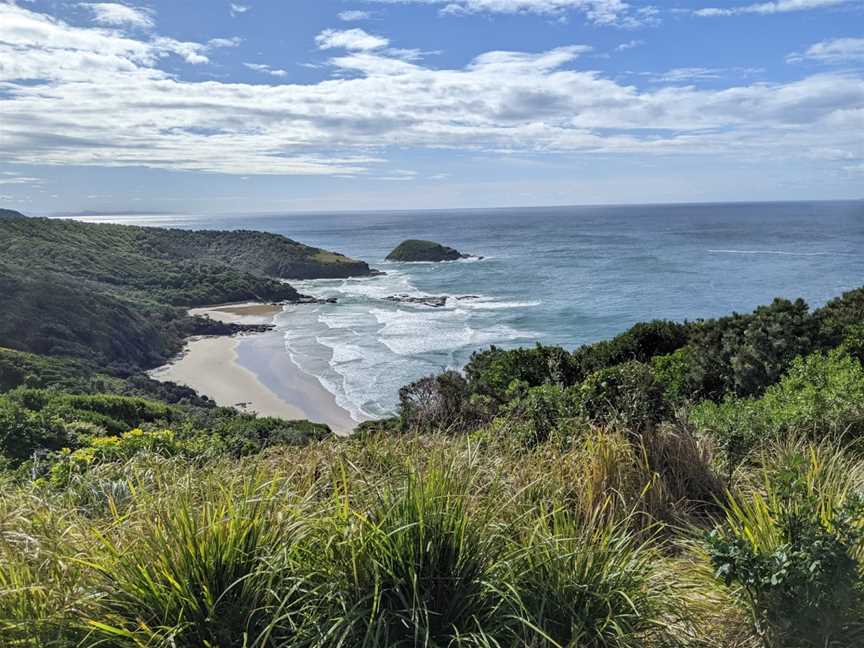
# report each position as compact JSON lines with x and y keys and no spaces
{"x":113,"y":293}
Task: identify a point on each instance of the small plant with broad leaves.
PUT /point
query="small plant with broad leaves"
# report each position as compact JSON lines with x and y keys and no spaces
{"x":795,"y":558}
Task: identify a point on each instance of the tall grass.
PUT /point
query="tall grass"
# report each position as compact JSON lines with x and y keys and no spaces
{"x":586,"y":582}
{"x":43,"y":589}
{"x":410,"y":541}
{"x":219,"y":570}
{"x":419,"y":562}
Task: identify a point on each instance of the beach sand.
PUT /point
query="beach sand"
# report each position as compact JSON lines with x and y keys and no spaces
{"x":253,"y":372}
{"x":245,"y":313}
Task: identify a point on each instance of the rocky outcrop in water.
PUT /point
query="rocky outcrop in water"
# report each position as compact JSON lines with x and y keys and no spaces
{"x":417,"y":250}
{"x":433,"y":302}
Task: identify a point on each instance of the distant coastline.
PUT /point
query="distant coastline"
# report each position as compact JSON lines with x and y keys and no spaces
{"x":212,"y":366}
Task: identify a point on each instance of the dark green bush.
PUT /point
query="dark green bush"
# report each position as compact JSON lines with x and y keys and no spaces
{"x":672,"y":371}
{"x":627,"y":395}
{"x":642,"y":342}
{"x":744,"y":354}
{"x":537,"y":412}
{"x":436,"y":403}
{"x":491,"y":372}
{"x":24,"y":432}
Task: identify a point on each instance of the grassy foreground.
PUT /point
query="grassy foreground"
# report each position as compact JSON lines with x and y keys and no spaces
{"x":427,"y":540}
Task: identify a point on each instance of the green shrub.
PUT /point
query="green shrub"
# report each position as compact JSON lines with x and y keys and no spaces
{"x":490,"y":373}
{"x":821,"y":394}
{"x":436,"y":403}
{"x":744,"y":354}
{"x":24,"y":432}
{"x":841,"y":316}
{"x":793,"y":550}
{"x":672,"y":371}
{"x":245,"y":434}
{"x":627,"y":395}
{"x":536,"y":413}
{"x":735,"y":425}
{"x":641,"y":342}
{"x":67,"y":463}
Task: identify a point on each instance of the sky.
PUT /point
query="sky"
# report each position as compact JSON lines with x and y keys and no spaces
{"x":213,"y":106}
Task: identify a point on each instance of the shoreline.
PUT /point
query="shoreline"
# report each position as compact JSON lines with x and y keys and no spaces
{"x":253,"y":372}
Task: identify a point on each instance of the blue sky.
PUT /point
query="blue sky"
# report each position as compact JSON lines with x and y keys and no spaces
{"x":282,"y":105}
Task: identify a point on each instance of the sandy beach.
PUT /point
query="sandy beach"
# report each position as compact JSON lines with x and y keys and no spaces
{"x":253,"y":372}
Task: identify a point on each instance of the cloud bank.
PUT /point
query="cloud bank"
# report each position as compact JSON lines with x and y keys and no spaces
{"x":92,"y":96}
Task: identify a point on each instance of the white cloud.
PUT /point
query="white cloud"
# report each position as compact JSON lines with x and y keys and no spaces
{"x":780,"y":6}
{"x":602,"y":12}
{"x":350,"y":39}
{"x":629,"y":45}
{"x":237,"y":9}
{"x":234,"y":41}
{"x":85,"y":96}
{"x":838,"y":50}
{"x":266,"y":69}
{"x":354,"y":15}
{"x":692,"y":74}
{"x":677,"y":75}
{"x":114,"y":14}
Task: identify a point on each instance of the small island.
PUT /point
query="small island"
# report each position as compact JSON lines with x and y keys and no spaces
{"x":417,"y":250}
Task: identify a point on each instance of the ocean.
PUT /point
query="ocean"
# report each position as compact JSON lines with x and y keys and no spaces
{"x":564,"y":276}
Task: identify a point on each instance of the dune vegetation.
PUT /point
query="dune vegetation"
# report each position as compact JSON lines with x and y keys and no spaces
{"x":696,"y":484}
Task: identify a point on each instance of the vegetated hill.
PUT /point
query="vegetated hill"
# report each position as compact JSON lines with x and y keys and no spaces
{"x":260,"y":253}
{"x":112,"y":293}
{"x":109,"y":253}
{"x":417,"y":250}
{"x":11,"y":213}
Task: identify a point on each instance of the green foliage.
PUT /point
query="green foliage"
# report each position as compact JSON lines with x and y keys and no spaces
{"x":67,"y":464}
{"x":24,"y":432}
{"x":793,"y":550}
{"x":202,"y":573}
{"x":115,"y":414}
{"x":744,"y":354}
{"x":419,"y":564}
{"x":34,"y":420}
{"x":108,"y":293}
{"x":641,"y":343}
{"x":244,"y":434}
{"x":853,"y":341}
{"x":821,"y":395}
{"x":491,"y":372}
{"x":735,"y":425}
{"x":536,"y":414}
{"x":435,"y":403}
{"x":627,"y":395}
{"x":30,"y":370}
{"x":586,"y":583}
{"x":672,"y":372}
{"x":841,"y":316}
